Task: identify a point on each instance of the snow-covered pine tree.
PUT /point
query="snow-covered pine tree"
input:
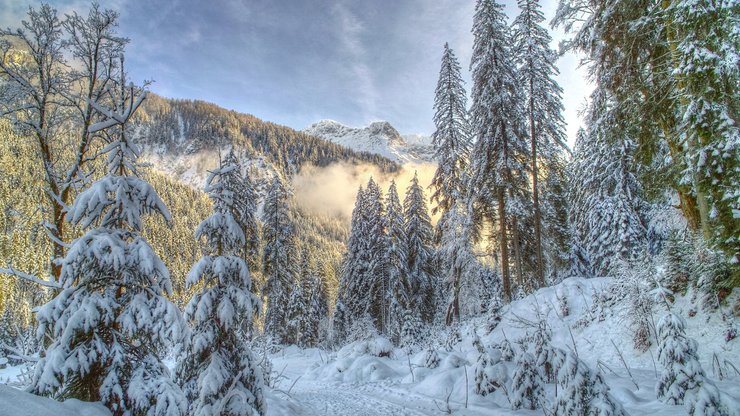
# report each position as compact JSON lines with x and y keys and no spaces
{"x":244,"y":209}
{"x":316,"y":308}
{"x":607,"y":205}
{"x":544,"y":353}
{"x":238,"y":187}
{"x":457,"y":259}
{"x":278,"y":259}
{"x":111,"y":322}
{"x":398,"y":295}
{"x":489,"y":375}
{"x":218,"y":373}
{"x":498,"y":168}
{"x":451,"y":137}
{"x":583,"y":392}
{"x":526,"y":384}
{"x":705,"y":47}
{"x":419,"y":254}
{"x":354,"y":265}
{"x":677,"y":353}
{"x":375,"y":284}
{"x":536,"y":71}
{"x":296,"y":313}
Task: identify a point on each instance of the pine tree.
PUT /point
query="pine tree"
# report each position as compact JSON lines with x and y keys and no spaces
{"x":607,"y":204}
{"x":458,"y":260}
{"x":489,"y":375}
{"x":111,"y":322}
{"x":244,"y":207}
{"x":375,"y":284}
{"x":296,"y":314}
{"x":498,"y":168}
{"x":583,"y":392}
{"x":354,"y":265}
{"x":526,"y":383}
{"x":278,"y":259}
{"x":536,"y":63}
{"x":451,"y":137}
{"x":398,"y":294}
{"x":217,"y":372}
{"x":316,"y":309}
{"x":419,"y":235}
{"x":677,"y":353}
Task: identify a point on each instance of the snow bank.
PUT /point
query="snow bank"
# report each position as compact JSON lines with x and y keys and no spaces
{"x":14,"y":402}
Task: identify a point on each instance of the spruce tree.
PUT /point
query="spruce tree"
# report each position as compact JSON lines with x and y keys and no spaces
{"x":217,"y":372}
{"x":526,"y":384}
{"x":458,"y":261}
{"x":451,"y":137}
{"x":419,"y":235}
{"x":536,"y":71}
{"x":498,"y":169}
{"x":677,"y":353}
{"x":354,"y":266}
{"x":398,"y":294}
{"x":278,"y":259}
{"x":375,"y":284}
{"x":111,"y":322}
{"x":583,"y":392}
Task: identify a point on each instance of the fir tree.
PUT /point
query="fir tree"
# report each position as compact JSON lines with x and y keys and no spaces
{"x":111,"y":322}
{"x":218,"y":373}
{"x":458,"y":261}
{"x":527,"y":392}
{"x":583,"y":392}
{"x":489,"y":374}
{"x":419,"y":235}
{"x":296,"y":314}
{"x":677,"y":353}
{"x":498,"y":170}
{"x":278,"y":259}
{"x":398,"y":295}
{"x":536,"y":63}
{"x":451,"y":137}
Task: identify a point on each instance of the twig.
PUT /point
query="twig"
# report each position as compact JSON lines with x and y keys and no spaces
{"x":600,"y":364}
{"x":291,"y":386}
{"x":621,"y":357}
{"x":655,"y":367}
{"x":465,"y":367}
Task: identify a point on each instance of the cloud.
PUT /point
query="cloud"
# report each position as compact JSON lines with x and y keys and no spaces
{"x":332,"y":190}
{"x":349,"y":33}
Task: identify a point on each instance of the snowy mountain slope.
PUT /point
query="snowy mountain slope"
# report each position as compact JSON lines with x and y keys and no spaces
{"x":379,"y":138}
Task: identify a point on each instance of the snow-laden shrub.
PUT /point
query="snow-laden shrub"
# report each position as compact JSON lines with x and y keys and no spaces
{"x":429,"y":358}
{"x":526,"y":384}
{"x":681,"y":369}
{"x":490,"y":374}
{"x":584,"y":392}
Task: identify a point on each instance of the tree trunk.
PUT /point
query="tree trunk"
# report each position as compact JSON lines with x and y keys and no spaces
{"x":504,"y":247}
{"x":540,"y":269}
{"x":702,"y":203}
{"x":453,"y":309}
{"x":517,"y":253}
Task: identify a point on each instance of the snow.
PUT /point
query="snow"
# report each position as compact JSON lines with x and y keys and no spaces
{"x":14,"y":402}
{"x":379,"y":138}
{"x":369,"y":377}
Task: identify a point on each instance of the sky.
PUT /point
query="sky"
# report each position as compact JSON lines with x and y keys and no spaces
{"x":299,"y":61}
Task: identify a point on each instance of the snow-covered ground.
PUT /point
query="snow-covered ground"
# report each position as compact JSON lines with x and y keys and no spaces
{"x":357,"y":381}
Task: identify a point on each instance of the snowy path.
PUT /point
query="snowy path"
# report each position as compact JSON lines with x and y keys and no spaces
{"x":364,"y":400}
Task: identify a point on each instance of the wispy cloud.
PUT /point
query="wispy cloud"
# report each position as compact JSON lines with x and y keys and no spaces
{"x":350,"y":31}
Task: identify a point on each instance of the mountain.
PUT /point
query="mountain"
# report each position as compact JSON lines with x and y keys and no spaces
{"x":184,"y":138}
{"x":379,"y":138}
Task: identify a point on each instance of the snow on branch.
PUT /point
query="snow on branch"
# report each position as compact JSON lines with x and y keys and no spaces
{"x":31,"y":278}
{"x":114,"y":118}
